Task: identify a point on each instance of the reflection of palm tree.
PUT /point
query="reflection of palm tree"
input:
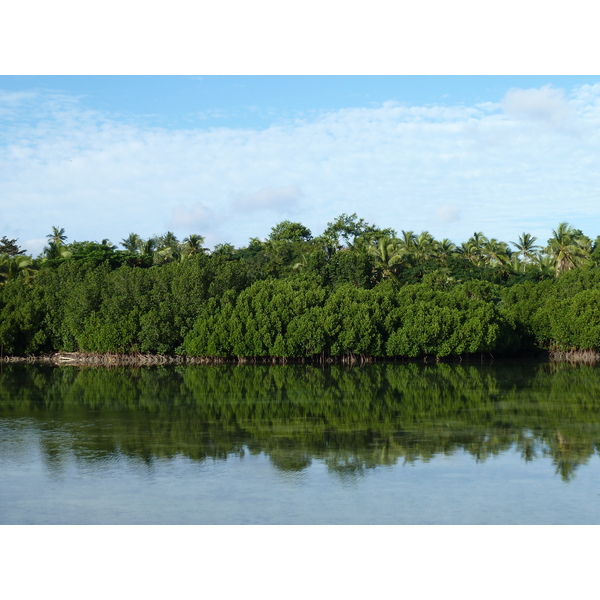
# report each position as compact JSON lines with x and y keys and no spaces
{"x":527,"y":446}
{"x":568,"y":454}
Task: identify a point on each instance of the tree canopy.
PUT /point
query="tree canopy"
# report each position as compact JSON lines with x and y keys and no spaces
{"x":356,"y":290}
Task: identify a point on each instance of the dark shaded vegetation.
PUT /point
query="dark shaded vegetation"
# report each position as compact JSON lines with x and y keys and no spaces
{"x":354,"y":292}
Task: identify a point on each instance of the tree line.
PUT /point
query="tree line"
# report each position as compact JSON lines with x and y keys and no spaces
{"x":356,"y":291}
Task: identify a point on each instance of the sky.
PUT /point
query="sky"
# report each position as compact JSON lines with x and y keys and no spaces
{"x":228,"y":157}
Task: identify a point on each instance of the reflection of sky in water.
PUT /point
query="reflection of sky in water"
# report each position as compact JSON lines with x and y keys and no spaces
{"x":247,"y":488}
{"x":381,"y":444}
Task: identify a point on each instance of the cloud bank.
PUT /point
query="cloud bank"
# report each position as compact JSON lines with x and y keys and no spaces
{"x":523,"y":164}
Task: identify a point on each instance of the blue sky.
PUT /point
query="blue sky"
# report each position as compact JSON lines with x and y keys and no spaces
{"x":228,"y":157}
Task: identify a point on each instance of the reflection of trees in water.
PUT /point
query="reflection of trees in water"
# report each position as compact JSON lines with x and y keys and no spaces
{"x":527,"y":445}
{"x":351,"y":419}
{"x":288,"y":459}
{"x":569,"y":452}
{"x":346,"y":466}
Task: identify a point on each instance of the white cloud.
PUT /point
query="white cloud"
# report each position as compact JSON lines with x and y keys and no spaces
{"x":447,"y":214}
{"x":450,"y":170}
{"x":544,"y":104}
{"x":34,"y":247}
{"x":193,"y":216}
{"x":284,"y":200}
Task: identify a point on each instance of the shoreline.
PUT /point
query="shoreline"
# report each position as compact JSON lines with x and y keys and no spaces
{"x":141,"y":360}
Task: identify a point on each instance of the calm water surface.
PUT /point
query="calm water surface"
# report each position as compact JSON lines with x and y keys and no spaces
{"x":510,"y":443}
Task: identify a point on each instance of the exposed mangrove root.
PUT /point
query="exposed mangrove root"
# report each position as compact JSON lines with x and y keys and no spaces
{"x":587,"y":357}
{"x":351,"y":360}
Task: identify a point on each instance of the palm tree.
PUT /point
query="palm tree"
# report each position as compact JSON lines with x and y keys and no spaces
{"x":57,"y":236}
{"x":164,"y":255}
{"x":108,"y":244}
{"x":470,"y":251}
{"x":387,"y":254}
{"x":444,"y":249}
{"x":133,"y":243}
{"x":16,"y":267}
{"x":167,"y":248}
{"x":302,"y":263}
{"x":423,"y":246}
{"x":192,"y":245}
{"x":526,"y":248}
{"x":568,"y":248}
{"x":54,"y":250}
{"x":407,"y":240}
{"x":56,"y":244}
{"x":478,"y":239}
{"x":168,"y":240}
{"x":473,"y":248}
{"x":544,"y":264}
{"x":495,"y":253}
{"x":149,"y":246}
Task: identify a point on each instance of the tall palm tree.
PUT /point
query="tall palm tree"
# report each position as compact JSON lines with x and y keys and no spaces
{"x":167,"y":248}
{"x":133,"y":243}
{"x":387,"y":254}
{"x":149,"y":246}
{"x":444,"y":249}
{"x":423,"y":246}
{"x":56,"y":247}
{"x":407,"y":240}
{"x":192,"y":245}
{"x":57,"y":236}
{"x":495,"y":253}
{"x":568,"y":248}
{"x":544,"y":263}
{"x":470,"y":251}
{"x":54,"y":250}
{"x":526,"y":248}
{"x":474,"y":246}
{"x":168,"y":240}
{"x":164,"y":255}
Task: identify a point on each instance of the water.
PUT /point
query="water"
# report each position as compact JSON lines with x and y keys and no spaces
{"x":510,"y":443}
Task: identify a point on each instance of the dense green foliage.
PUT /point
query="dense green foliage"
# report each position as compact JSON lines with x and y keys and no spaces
{"x":355,"y":291}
